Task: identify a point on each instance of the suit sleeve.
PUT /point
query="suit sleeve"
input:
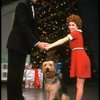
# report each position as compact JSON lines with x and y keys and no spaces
{"x":23,"y":23}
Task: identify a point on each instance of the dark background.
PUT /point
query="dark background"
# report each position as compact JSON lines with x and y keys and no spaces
{"x":90,"y":14}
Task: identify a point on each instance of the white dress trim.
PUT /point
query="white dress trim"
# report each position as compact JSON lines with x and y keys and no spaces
{"x":77,"y":48}
{"x":70,"y":37}
{"x":79,"y":30}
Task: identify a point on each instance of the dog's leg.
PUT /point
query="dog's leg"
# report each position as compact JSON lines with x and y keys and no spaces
{"x":50,"y":93}
{"x":65,"y":97}
{"x":53,"y":89}
{"x":51,"y":96}
{"x":47,"y":96}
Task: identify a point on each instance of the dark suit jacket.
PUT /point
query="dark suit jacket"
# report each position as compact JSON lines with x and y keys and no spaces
{"x":24,"y":34}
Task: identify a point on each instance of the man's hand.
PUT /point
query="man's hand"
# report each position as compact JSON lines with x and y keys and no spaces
{"x":42,"y":45}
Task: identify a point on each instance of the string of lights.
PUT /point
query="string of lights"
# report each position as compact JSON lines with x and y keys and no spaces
{"x":51,"y":17}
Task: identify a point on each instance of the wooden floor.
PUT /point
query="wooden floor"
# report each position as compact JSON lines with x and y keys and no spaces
{"x":90,"y":93}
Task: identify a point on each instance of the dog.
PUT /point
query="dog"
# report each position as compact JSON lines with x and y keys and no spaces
{"x":53,"y":83}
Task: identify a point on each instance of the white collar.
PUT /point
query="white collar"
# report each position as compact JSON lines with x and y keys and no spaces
{"x":79,"y":30}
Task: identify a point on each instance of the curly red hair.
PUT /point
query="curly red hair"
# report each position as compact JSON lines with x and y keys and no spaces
{"x":76,"y":19}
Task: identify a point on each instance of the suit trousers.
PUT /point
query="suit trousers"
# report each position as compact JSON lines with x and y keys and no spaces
{"x":16,"y":65}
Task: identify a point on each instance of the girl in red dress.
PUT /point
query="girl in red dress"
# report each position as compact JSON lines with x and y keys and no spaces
{"x":80,"y":62}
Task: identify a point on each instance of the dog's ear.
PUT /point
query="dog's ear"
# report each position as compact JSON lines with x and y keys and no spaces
{"x":42,"y":67}
{"x":56,"y":68}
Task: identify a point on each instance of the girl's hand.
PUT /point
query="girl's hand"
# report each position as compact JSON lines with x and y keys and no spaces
{"x":47,"y":47}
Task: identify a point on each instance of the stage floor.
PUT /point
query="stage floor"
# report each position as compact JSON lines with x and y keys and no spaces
{"x":91,"y":92}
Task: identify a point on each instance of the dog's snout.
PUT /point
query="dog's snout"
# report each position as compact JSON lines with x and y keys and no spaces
{"x":47,"y":69}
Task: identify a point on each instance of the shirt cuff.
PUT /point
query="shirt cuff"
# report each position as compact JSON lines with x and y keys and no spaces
{"x":36,"y":43}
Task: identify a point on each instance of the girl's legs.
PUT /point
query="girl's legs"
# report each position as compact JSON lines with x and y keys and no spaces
{"x":80,"y":88}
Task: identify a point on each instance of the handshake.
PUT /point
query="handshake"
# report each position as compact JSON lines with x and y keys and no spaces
{"x":43,"y":45}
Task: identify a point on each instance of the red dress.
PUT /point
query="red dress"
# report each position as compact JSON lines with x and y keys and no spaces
{"x":80,"y":62}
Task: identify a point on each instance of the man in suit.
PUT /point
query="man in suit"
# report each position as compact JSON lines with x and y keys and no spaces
{"x":22,"y":38}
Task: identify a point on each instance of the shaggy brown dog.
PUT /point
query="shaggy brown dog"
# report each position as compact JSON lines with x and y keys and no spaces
{"x":52,"y":82}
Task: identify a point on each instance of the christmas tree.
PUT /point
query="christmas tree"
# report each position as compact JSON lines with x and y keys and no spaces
{"x":51,"y":17}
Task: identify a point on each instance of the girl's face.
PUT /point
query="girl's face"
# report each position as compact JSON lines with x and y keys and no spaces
{"x":72,"y":26}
